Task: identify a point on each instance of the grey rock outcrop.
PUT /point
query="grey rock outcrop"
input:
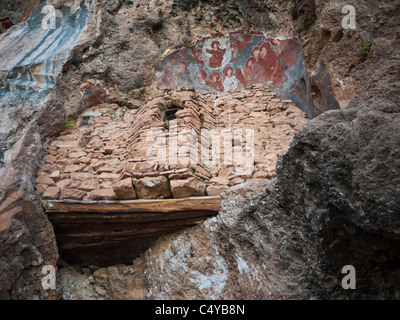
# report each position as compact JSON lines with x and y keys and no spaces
{"x":32,"y":63}
{"x":27,"y":241}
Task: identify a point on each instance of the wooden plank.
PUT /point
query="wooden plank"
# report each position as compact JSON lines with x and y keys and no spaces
{"x":107,"y":254}
{"x":69,"y":241}
{"x":79,"y":227}
{"x":135,"y":206}
{"x":77,"y":217}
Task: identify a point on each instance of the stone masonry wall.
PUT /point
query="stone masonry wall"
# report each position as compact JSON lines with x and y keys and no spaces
{"x":114,"y":153}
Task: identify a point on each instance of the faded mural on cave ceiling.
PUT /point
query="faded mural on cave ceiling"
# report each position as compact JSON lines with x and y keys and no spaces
{"x":238,"y":61}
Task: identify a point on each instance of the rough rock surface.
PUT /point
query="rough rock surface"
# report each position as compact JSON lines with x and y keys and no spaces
{"x":342,"y":163}
{"x":19,"y":10}
{"x":357,"y":78}
{"x":27,"y":241}
{"x":34,"y":62}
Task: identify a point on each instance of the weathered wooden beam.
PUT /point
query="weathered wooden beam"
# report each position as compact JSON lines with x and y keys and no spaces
{"x":107,"y":254}
{"x":101,"y":238}
{"x":62,"y":227}
{"x":134,"y":206}
{"x":117,"y":217}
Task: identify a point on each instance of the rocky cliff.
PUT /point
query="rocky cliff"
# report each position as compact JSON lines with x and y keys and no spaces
{"x":334,"y":202}
{"x":286,"y":238}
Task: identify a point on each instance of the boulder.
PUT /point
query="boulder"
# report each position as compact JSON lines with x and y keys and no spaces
{"x":236,"y":181}
{"x":55,"y":175}
{"x":152,"y":188}
{"x":81,"y":176}
{"x":77,"y":155}
{"x":261,"y":174}
{"x":41,"y":188}
{"x":242,"y":109}
{"x":191,"y":187}
{"x":220,"y":180}
{"x":49,"y":159}
{"x":124,"y":189}
{"x":74,"y":168}
{"x":63,"y":184}
{"x":106,"y":176}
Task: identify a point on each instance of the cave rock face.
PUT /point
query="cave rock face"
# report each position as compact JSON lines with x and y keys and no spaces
{"x":34,"y":54}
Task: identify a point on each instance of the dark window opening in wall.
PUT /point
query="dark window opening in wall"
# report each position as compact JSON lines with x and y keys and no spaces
{"x":169,"y":115}
{"x":85,"y":121}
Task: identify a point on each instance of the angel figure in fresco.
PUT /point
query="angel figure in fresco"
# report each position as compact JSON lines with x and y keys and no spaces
{"x":197,"y":76}
{"x":197,"y":55}
{"x":230,"y":81}
{"x":234,"y":52}
{"x":241,"y":40}
{"x":202,"y":77}
{"x":259,"y":73}
{"x":200,"y":81}
{"x":178,"y":72}
{"x":215,"y":81}
{"x":271,"y":64}
{"x":217,"y":55}
{"x":256,"y":53}
{"x":250,"y":73}
{"x":167,"y":78}
{"x":287,"y":50}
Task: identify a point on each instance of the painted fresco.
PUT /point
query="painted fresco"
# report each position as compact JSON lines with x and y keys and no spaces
{"x":238,"y":61}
